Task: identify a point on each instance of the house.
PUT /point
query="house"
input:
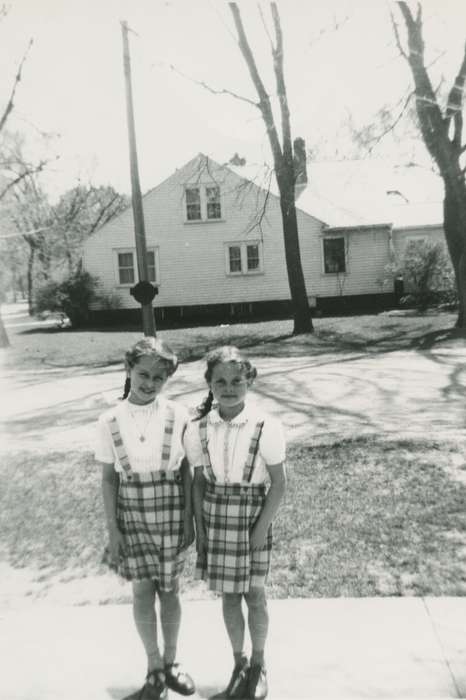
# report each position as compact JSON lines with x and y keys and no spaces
{"x":215,"y":242}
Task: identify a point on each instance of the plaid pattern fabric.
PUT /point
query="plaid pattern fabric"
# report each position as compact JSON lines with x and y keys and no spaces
{"x":230,"y":512}
{"x":150,"y":515}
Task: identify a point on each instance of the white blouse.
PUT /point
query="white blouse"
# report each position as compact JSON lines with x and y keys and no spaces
{"x":228,"y":444}
{"x":148,"y":421}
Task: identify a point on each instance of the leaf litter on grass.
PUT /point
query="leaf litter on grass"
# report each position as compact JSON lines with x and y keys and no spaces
{"x":363,"y":517}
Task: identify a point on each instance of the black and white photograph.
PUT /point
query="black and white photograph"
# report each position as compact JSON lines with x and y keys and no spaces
{"x":232,"y":349}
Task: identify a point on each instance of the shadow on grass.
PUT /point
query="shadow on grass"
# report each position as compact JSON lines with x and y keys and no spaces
{"x":361,"y":517}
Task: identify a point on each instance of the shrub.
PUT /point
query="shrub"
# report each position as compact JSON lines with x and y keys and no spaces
{"x":72,"y":297}
{"x":427,"y":274}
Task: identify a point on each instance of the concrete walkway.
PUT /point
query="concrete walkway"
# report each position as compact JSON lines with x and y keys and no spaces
{"x":339,"y":648}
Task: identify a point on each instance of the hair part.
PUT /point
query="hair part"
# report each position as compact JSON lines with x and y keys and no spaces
{"x":223,"y":355}
{"x":149,"y":347}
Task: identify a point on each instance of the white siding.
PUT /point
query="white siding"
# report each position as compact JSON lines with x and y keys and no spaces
{"x":192,"y":254}
{"x":367,"y":254}
{"x":401,"y":237}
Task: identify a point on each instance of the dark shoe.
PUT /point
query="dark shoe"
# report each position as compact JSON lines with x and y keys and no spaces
{"x":257,"y":687}
{"x":178,"y":680}
{"x":237,"y":686}
{"x":154,"y":688}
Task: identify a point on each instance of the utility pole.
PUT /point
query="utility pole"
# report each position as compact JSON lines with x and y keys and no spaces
{"x":143,"y":291}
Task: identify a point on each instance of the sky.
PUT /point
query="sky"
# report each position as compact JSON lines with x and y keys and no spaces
{"x":73,"y":84}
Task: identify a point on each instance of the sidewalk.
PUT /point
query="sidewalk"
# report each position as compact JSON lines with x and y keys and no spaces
{"x":321,"y":648}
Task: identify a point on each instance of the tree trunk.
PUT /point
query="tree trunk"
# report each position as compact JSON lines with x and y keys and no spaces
{"x":455,"y":234}
{"x":32,"y":252}
{"x":283,"y":162}
{"x":301,"y":312}
{"x":442,"y":132}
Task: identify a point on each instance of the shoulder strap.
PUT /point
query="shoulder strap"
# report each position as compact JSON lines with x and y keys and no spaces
{"x":205,"y":450}
{"x":252,"y":452}
{"x":167,"y":436}
{"x":119,"y":446}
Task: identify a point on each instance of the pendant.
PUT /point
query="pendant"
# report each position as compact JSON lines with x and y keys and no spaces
{"x":142,"y":438}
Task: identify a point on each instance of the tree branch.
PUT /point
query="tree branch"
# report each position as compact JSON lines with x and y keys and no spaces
{"x":264,"y":99}
{"x":22,"y":176}
{"x":455,"y":104}
{"x":223,"y":91}
{"x":281,"y":86}
{"x":397,"y":36}
{"x":10,"y":102}
{"x":433,"y":127}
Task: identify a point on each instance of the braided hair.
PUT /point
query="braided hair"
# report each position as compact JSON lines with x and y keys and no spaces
{"x":151,"y":347}
{"x":225,"y":353}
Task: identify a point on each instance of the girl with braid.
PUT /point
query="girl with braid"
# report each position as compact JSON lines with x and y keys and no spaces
{"x":237,"y":452}
{"x":146,"y":487}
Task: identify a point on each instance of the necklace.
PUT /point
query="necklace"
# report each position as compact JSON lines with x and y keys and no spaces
{"x":141,"y":432}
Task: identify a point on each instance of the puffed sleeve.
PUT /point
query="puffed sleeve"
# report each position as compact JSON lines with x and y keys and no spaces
{"x":192,"y":444}
{"x":103,"y":442}
{"x":272,"y":441}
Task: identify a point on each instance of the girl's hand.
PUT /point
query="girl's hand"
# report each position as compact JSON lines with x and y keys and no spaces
{"x":201,"y":544}
{"x":188,"y":533}
{"x":258,"y":538}
{"x":116,"y":545}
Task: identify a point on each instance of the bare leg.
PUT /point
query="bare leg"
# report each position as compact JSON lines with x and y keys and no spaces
{"x":146,"y":621}
{"x":234,"y":622}
{"x":258,"y":622}
{"x":170,"y":617}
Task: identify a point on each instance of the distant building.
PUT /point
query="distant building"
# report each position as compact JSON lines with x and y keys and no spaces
{"x":215,"y":241}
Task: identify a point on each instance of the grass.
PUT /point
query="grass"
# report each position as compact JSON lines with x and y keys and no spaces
{"x":366,"y":517}
{"x":50,"y":347}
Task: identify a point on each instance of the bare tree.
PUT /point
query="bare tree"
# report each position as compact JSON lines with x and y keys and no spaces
{"x":282,"y":152}
{"x":442,"y":132}
{"x":4,"y":116}
{"x":54,"y":233}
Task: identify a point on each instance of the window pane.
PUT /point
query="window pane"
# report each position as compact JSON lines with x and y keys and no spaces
{"x":193,"y":204}
{"x":151,"y":265}
{"x":125,"y":260}
{"x":235,"y":258}
{"x":126,"y":276}
{"x":253,"y":257}
{"x":213,"y":202}
{"x":334,"y":255}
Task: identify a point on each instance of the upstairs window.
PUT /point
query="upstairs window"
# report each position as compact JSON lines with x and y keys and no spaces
{"x":334,"y":255}
{"x":243,"y":258}
{"x":203,"y":203}
{"x":213,"y":202}
{"x":193,"y":204}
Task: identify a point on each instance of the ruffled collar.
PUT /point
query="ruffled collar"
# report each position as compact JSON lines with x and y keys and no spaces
{"x":153,"y":406}
{"x":241,"y":419}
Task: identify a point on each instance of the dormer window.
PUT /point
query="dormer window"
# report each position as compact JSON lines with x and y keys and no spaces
{"x":203,"y":203}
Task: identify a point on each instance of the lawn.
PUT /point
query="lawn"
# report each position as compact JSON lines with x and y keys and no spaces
{"x":52,"y":347}
{"x":366,"y":517}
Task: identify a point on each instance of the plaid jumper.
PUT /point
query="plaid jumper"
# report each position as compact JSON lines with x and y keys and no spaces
{"x":230,"y":512}
{"x":150,"y":515}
